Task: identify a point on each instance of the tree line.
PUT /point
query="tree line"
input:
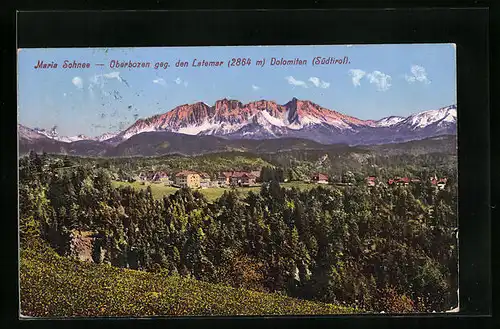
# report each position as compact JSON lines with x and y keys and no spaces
{"x":297,"y":165}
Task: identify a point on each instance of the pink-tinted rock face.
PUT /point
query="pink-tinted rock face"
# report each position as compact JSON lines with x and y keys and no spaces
{"x":308,"y":108}
{"x":233,"y":112}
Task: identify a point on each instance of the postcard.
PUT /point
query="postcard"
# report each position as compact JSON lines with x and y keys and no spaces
{"x":237,"y":180}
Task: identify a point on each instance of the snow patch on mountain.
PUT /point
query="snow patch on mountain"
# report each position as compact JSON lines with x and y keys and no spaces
{"x":104,"y":137}
{"x":279,"y":122}
{"x":266,"y":121}
{"x":196,"y":129}
{"x":310,"y":120}
{"x":131,"y":133}
{"x":340,"y":124}
{"x":53,"y":134}
{"x":50,"y":134}
{"x":426,"y":118}
{"x":389,"y":121}
{"x":451,"y":117}
{"x":226,"y":128}
{"x":69,"y":139}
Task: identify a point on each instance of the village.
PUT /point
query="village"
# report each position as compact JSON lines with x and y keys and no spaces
{"x":202,"y":180}
{"x":194,"y":179}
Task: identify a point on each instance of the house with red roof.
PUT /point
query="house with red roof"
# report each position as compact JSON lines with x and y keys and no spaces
{"x":404,"y":181}
{"x":370,"y":181}
{"x":400,"y":181}
{"x":439,"y":183}
{"x":243,"y":178}
{"x":319,"y":178}
{"x":237,"y":178}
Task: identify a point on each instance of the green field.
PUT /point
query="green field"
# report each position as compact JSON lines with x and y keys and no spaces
{"x":52,"y":285}
{"x":212,"y":193}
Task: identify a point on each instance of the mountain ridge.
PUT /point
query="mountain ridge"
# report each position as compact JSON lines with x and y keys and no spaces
{"x":227,"y":117}
{"x":266,"y":120}
{"x":168,"y":143}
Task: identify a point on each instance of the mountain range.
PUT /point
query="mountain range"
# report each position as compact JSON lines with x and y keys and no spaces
{"x":232,"y":125}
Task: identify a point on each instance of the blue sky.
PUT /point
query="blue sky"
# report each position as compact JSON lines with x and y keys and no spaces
{"x":379,"y":81}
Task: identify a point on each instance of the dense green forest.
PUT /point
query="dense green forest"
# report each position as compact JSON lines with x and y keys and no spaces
{"x":389,"y":248}
{"x":294,"y":165}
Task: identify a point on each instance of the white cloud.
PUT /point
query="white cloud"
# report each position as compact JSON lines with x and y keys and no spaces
{"x":185,"y":83}
{"x":381,"y":80}
{"x":291,"y":80}
{"x":254,"y":87}
{"x":160,"y":81}
{"x":78,"y":82}
{"x":99,"y":79}
{"x":315,"y":81}
{"x":319,"y":83}
{"x":115,"y":75}
{"x":356,"y":75}
{"x":418,"y":74}
{"x":112,"y":75}
{"x":64,"y":94}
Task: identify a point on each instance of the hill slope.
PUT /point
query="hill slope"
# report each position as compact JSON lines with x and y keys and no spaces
{"x":54,"y":286}
{"x":158,"y":143}
{"x":164,"y":143}
{"x":443,"y":144}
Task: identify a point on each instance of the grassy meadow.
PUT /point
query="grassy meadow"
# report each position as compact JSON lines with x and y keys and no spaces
{"x":212,"y":193}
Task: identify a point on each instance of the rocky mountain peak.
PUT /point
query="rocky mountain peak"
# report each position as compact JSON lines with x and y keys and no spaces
{"x":263,"y":119}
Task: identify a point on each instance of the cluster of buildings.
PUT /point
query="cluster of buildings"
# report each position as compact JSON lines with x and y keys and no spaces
{"x":238,"y":178}
{"x":154,"y":176}
{"x":402,"y":181}
{"x":194,"y":179}
{"x":440,"y":183}
{"x":437,"y":182}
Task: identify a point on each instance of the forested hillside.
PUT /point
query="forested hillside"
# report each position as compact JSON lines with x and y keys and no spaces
{"x":413,"y":159}
{"x":389,"y":248}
